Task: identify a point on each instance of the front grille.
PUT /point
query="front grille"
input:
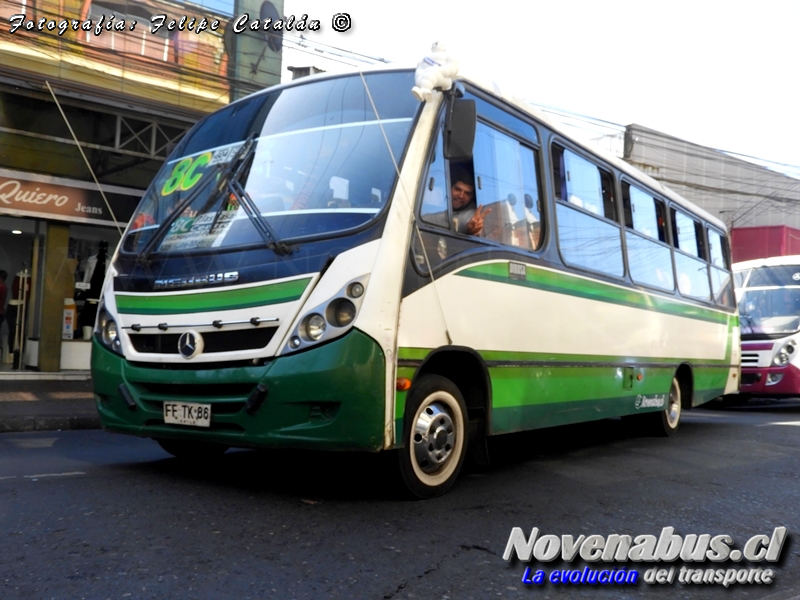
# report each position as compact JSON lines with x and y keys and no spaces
{"x":213,"y":341}
{"x":197,"y":390}
{"x":749,"y":358}
{"x":750,"y":378}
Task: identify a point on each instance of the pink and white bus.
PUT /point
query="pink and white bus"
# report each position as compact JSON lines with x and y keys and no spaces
{"x":768,"y":292}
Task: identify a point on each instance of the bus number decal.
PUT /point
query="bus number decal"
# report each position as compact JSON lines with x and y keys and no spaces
{"x":517,"y":271}
{"x":184,"y":175}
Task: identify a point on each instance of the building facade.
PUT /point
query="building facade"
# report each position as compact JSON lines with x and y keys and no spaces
{"x":93,"y":96}
{"x":742,"y":193}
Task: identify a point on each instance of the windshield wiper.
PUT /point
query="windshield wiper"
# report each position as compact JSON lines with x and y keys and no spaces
{"x":234,"y":185}
{"x":263,"y":227}
{"x":232,"y":170}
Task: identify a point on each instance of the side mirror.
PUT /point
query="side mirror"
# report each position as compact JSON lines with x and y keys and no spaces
{"x":459,"y":129}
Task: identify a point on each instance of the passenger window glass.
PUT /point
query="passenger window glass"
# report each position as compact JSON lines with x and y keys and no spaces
{"x":588,"y":241}
{"x":721,"y":287}
{"x":582,"y":183}
{"x":692,"y":276}
{"x":685,"y":234}
{"x":716,"y":249}
{"x":650,"y":263}
{"x":507,"y":189}
{"x":434,"y":208}
{"x":641,"y":211}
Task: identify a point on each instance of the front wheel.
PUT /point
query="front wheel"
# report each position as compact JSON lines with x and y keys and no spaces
{"x":434,"y":436}
{"x":188,"y":450}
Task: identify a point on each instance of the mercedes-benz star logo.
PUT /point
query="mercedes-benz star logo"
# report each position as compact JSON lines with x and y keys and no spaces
{"x":190,"y":344}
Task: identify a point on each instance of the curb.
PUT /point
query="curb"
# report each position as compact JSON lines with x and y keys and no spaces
{"x":22,"y":424}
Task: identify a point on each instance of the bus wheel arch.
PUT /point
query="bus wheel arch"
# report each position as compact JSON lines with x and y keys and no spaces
{"x":466,"y":369}
{"x":685,"y":379}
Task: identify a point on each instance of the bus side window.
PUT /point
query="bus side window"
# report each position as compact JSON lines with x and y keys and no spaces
{"x":721,"y":284}
{"x":559,"y":173}
{"x":434,"y":209}
{"x":589,"y":234}
{"x":582,"y":182}
{"x":649,"y":259}
{"x":507,"y":185}
{"x":690,"y":267}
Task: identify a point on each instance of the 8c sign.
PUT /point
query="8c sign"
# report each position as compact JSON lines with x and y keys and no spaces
{"x":184,"y":175}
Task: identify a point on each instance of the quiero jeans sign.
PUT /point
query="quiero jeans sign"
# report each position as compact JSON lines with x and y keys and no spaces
{"x":24,"y":194}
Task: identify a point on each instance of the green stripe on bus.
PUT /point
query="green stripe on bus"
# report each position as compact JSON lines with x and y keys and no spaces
{"x":545,"y":396}
{"x":563,"y":283}
{"x":562,"y":360}
{"x":230,"y":299}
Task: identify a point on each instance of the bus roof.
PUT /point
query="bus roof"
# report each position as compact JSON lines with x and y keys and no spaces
{"x":494,"y":89}
{"x":526,"y":106}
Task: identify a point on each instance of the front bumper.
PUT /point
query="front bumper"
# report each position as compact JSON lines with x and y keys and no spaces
{"x":328,"y":397}
{"x":770,"y":381}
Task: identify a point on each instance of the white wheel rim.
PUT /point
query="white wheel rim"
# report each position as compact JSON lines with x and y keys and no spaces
{"x":430,"y":439}
{"x":673,"y":410}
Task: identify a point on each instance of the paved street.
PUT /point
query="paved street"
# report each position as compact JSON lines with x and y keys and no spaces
{"x":87,"y":514}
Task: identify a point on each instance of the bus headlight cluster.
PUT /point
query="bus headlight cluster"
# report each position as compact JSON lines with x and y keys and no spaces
{"x":314,"y":326}
{"x":342,"y":312}
{"x":107,"y":329}
{"x":785,"y":354}
{"x":328,"y":320}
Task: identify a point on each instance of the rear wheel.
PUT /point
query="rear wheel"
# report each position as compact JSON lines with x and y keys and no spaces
{"x":186,"y":450}
{"x":665,"y":422}
{"x":434,"y":436}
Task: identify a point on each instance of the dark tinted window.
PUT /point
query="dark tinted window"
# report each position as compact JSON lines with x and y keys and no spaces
{"x":782,"y":275}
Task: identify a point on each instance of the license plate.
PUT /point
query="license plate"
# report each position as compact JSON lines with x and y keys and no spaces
{"x":187,"y":413}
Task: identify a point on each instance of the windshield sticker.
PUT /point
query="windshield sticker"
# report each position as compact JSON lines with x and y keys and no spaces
{"x":184,"y":175}
{"x":224,"y":155}
{"x":202,"y":231}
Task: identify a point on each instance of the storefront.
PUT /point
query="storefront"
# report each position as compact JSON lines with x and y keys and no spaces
{"x":57,"y":236}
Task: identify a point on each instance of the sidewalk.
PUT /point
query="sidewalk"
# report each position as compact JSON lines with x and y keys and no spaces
{"x":44,"y":402}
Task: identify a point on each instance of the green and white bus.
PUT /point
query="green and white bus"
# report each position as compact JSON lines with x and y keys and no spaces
{"x":294,"y":277}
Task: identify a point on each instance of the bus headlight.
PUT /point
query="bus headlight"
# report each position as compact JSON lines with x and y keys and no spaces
{"x":342,"y":312}
{"x":315,"y":327}
{"x":327,"y":318}
{"x":355,"y":290}
{"x":107,"y":328}
{"x":785,"y":354}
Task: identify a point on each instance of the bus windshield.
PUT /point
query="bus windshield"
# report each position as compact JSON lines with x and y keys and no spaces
{"x":307,"y":160}
{"x":774,"y":310}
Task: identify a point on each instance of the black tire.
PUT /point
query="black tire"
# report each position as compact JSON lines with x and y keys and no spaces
{"x":434,"y":437}
{"x":190,"y":450}
{"x":665,"y":422}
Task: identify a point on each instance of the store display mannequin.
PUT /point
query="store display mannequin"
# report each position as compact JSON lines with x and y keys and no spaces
{"x":94,"y":275}
{"x":15,"y":313}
